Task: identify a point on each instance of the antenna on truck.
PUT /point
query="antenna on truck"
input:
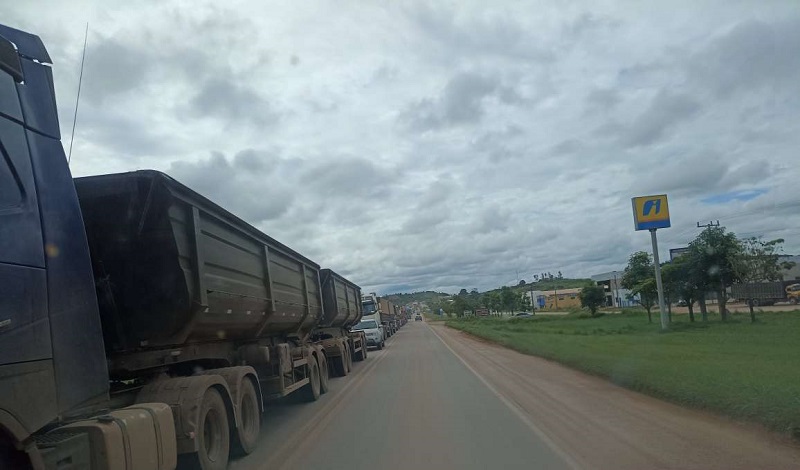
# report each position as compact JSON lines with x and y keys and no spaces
{"x":78,"y":98}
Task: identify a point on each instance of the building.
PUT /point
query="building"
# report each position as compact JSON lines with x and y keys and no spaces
{"x":616,"y":295}
{"x":793,"y":273}
{"x":560,"y":299}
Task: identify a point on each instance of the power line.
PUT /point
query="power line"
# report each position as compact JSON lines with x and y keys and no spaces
{"x":78,"y":98}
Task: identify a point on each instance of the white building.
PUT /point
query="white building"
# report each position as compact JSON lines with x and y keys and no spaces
{"x":616,"y":295}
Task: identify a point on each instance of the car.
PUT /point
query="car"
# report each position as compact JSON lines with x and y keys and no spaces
{"x":372,"y":329}
{"x":523,"y":315}
{"x":682,"y":303}
{"x":418,"y":318}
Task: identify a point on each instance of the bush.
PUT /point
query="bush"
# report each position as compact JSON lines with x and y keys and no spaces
{"x":592,"y":297}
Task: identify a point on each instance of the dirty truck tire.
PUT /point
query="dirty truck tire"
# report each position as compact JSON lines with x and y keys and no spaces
{"x":311,"y":391}
{"x":249,"y":419}
{"x":324,"y":374}
{"x":340,"y":363}
{"x":213,"y":434}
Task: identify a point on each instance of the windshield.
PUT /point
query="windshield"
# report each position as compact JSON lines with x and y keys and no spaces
{"x":366,"y":325}
{"x":368,"y":307}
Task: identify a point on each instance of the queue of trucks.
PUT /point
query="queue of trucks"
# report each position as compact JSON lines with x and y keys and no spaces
{"x":140,"y":323}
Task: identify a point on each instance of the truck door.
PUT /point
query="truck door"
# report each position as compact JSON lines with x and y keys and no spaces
{"x":24,"y":328}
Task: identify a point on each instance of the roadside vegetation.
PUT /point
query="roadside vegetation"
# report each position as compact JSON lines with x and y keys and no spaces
{"x":744,"y":370}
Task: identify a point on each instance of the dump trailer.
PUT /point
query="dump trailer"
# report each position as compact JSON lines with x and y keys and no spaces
{"x":140,"y":323}
{"x":389,"y":315}
{"x":342,"y":310}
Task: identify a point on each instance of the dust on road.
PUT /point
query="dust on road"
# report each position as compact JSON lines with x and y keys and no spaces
{"x":604,"y":426}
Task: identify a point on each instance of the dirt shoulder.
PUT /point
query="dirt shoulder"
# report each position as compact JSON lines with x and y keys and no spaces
{"x":602,"y":425}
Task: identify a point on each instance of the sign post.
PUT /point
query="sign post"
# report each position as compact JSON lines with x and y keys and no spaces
{"x":652,"y":213}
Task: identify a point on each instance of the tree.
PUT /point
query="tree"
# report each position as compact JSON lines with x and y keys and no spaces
{"x":463,"y":293}
{"x":681,"y":277}
{"x":523,"y":302}
{"x":717,"y":253}
{"x":760,"y":262}
{"x":521,"y":283}
{"x":493,"y":301}
{"x":639,"y":278}
{"x":508,"y":299}
{"x":592,"y":297}
{"x":560,"y":276}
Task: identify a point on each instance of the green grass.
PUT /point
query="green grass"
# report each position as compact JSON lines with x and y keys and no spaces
{"x":747,"y":371}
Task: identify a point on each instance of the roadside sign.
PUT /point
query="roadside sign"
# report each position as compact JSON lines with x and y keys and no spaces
{"x":650,"y":212}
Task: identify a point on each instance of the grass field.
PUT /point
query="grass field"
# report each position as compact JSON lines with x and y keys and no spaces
{"x":747,"y":371}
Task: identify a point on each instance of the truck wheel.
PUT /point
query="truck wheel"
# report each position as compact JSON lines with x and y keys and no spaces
{"x":10,"y":457}
{"x":213,"y":437}
{"x":324,"y":374}
{"x":340,"y":362}
{"x":311,"y":391}
{"x":793,"y":301}
{"x":755,"y":302}
{"x":249,"y":418}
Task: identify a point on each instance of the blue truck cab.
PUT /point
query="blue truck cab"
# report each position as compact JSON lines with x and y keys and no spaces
{"x":52,"y":362}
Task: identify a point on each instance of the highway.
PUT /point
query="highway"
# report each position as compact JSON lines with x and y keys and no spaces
{"x":436,"y":398}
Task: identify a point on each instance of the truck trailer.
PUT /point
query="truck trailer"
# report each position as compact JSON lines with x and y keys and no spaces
{"x":140,"y":323}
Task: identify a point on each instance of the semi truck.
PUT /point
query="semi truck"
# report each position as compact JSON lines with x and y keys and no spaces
{"x":767,"y":293}
{"x":370,"y":303}
{"x":342,"y":309}
{"x":141,"y":325}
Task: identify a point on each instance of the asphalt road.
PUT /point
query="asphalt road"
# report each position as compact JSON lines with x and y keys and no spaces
{"x":437,"y":398}
{"x":414,"y":405}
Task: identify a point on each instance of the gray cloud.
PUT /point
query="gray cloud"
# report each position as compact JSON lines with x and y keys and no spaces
{"x":751,"y":55}
{"x":666,"y":110}
{"x":455,"y":149}
{"x":231,"y":103}
{"x":462,"y":101}
{"x":238,"y":184}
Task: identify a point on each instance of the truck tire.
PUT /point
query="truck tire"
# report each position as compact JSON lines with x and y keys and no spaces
{"x":213,"y":440}
{"x":311,"y":390}
{"x":793,"y":301}
{"x":324,"y":374}
{"x":249,"y":418}
{"x":10,"y":457}
{"x":755,"y":302}
{"x":340,"y":363}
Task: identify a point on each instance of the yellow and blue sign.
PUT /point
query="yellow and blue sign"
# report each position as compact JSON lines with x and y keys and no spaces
{"x":650,"y":212}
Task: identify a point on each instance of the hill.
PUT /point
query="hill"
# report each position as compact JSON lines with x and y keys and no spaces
{"x":426,"y":296}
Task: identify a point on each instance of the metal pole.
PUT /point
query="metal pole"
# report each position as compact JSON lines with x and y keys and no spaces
{"x":659,"y":285}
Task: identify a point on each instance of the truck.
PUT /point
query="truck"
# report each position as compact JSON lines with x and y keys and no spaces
{"x":141,"y":324}
{"x":766,"y":293}
{"x":371,"y":306}
{"x":388,"y":315}
{"x":341,"y":310}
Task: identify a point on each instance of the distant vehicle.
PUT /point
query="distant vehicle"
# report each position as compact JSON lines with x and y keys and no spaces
{"x":523,"y":315}
{"x":793,"y":293}
{"x":374,"y":332}
{"x":682,"y":303}
{"x":766,"y":293}
{"x":418,"y":318}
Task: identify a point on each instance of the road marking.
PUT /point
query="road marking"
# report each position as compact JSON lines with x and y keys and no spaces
{"x":513,"y":407}
{"x":285,"y":455}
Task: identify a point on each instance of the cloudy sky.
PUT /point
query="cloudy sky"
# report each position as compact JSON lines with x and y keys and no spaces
{"x":444,"y":145}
